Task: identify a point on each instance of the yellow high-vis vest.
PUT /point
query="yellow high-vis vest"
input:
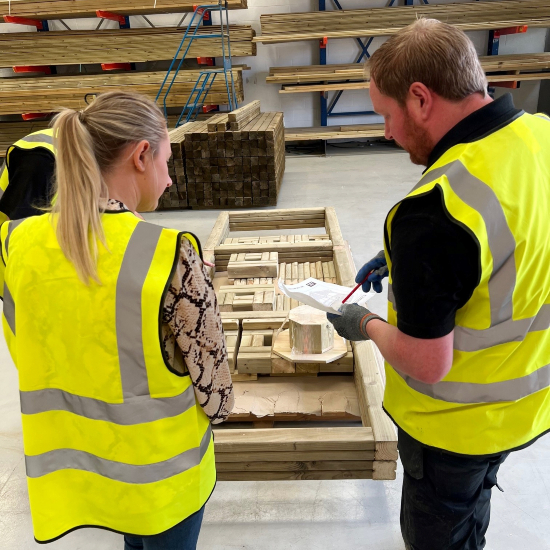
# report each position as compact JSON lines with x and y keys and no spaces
{"x":42,"y":138}
{"x":112,"y":437}
{"x":496,"y":396}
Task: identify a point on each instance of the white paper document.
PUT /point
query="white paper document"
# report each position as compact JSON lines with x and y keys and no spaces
{"x":324,"y":296}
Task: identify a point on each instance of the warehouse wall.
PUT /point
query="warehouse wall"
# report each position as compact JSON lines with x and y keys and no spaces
{"x":303,"y":109}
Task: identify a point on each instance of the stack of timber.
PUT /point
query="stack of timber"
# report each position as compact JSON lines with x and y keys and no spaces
{"x":49,"y":93}
{"x":116,"y":45}
{"x":232,"y":160}
{"x":351,"y":131}
{"x":66,"y":9}
{"x":353,"y":76}
{"x":270,"y":390}
{"x":291,"y":27}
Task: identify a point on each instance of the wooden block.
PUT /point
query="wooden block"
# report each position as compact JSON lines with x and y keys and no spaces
{"x":231,"y":340}
{"x":263,"y":264}
{"x":280,"y":365}
{"x":308,"y":367}
{"x":310,"y":331}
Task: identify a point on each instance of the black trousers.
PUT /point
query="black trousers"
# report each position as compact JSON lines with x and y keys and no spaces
{"x":446,"y":498}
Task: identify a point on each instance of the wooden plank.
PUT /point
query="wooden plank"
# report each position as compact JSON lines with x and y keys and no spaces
{"x":370,"y":390}
{"x":384,"y":469}
{"x":335,"y":132}
{"x":295,"y":439}
{"x":296,"y":466}
{"x":241,"y":116}
{"x":282,"y":476}
{"x":291,"y":456}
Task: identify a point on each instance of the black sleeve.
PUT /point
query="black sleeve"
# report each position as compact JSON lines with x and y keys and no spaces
{"x":30,"y":182}
{"x":435,"y":266}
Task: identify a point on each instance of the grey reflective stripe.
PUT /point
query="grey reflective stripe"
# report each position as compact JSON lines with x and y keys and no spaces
{"x":133,"y":272}
{"x":496,"y":392}
{"x":391,"y":297}
{"x":38,"y":138}
{"x":11,"y":226}
{"x":467,"y":339}
{"x":502,"y":245}
{"x":71,"y":459}
{"x":9,"y":308}
{"x":132,"y":412}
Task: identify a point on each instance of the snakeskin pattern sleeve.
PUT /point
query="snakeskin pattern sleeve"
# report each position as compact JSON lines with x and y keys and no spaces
{"x":193,"y":335}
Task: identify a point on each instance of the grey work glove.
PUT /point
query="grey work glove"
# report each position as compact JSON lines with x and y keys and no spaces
{"x":352,"y":324}
{"x":379,"y":269}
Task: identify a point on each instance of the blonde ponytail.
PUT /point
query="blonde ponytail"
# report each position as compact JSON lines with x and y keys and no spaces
{"x":81,"y":195}
{"x":89,"y":143}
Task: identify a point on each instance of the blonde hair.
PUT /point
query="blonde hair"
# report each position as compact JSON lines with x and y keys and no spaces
{"x":436,"y":54}
{"x":88,"y":143}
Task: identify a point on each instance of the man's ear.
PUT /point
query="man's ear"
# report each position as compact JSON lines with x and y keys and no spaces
{"x":142,"y":149}
{"x":419,"y":101}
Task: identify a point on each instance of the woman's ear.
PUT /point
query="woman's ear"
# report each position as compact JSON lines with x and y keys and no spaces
{"x":141,"y":151}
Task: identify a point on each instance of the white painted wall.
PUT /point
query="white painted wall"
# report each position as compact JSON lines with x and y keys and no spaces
{"x":303,"y":109}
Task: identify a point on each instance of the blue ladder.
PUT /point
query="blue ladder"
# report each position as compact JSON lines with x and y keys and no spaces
{"x":206,"y":78}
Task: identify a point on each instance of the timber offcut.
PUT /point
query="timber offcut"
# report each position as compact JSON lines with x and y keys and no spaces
{"x":470,"y":16}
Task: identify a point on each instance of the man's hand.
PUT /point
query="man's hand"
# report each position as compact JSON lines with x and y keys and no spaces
{"x":352,"y":324}
{"x":380,"y":267}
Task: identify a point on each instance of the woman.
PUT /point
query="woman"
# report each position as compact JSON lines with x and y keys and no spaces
{"x":114,"y":327}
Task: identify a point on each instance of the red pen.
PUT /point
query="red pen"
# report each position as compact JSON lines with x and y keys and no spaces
{"x":363,"y":281}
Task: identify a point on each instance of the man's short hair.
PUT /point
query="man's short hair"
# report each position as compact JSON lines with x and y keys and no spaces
{"x":436,"y":54}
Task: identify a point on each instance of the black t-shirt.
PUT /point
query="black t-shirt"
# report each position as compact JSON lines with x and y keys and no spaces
{"x":30,"y":182}
{"x":436,"y":260}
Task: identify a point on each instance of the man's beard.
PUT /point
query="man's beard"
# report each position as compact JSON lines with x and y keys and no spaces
{"x":419,"y":145}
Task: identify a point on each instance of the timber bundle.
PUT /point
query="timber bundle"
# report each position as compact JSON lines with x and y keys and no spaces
{"x":471,"y":16}
{"x":115,"y":45}
{"x":232,"y":160}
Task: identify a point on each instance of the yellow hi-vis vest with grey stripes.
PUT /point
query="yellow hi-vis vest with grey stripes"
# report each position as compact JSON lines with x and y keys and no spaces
{"x":112,"y":437}
{"x":496,"y":396}
{"x":42,"y":138}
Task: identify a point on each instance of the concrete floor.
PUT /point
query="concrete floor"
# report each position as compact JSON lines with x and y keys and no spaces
{"x":301,"y":515}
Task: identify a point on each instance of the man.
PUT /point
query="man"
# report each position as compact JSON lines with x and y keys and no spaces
{"x":467,"y":341}
{"x":26,"y":176}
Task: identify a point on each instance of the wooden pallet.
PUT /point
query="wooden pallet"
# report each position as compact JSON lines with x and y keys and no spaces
{"x":67,"y":9}
{"x":115,"y":45}
{"x":227,"y":168}
{"x":291,"y":27}
{"x":49,"y":93}
{"x":270,"y":391}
